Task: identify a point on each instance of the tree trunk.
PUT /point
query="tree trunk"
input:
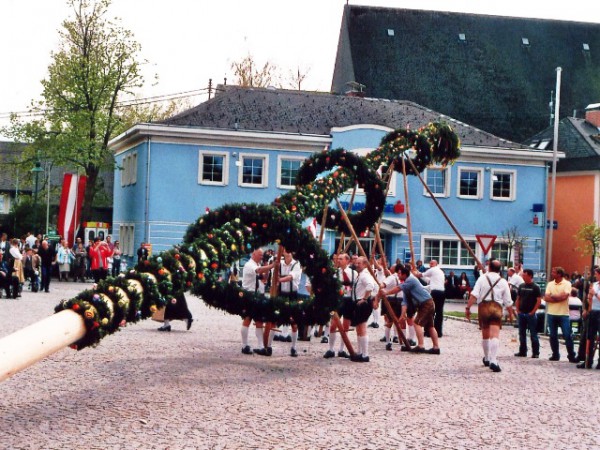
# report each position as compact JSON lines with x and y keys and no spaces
{"x":90,"y":193}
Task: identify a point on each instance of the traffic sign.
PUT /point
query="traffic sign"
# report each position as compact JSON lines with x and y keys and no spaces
{"x":486,"y":241}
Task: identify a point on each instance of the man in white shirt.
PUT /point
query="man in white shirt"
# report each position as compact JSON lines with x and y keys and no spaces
{"x":365,"y":294}
{"x":436,"y":279}
{"x":253,"y":280}
{"x":491,"y":292}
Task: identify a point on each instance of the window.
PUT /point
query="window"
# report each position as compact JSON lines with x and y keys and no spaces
{"x":126,"y":237}
{"x":448,"y":252}
{"x":469,"y":182}
{"x":213,"y":168}
{"x":3,"y":204}
{"x":287,"y":171}
{"x":253,"y":171}
{"x":503,"y":185}
{"x":438,"y":179}
{"x":129,"y":173}
{"x":500,"y":252}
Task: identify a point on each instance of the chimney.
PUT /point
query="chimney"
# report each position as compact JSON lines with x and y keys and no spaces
{"x":592,"y":115}
{"x":354,"y":89}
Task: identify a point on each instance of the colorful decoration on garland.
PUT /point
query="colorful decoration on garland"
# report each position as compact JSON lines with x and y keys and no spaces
{"x":220,"y":237}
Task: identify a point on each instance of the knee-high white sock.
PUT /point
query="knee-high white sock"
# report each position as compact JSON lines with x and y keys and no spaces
{"x":411,"y":332}
{"x":341,"y":348}
{"x":485,"y":343}
{"x":332,"y":338}
{"x":364,"y":340}
{"x":294,"y":338}
{"x":245,"y":331}
{"x":326,"y":330}
{"x":166,"y":323}
{"x":376,"y":315}
{"x":359,"y":344}
{"x":388,"y":332}
{"x":259,"y":337}
{"x":494,"y":347}
{"x":271,"y":336}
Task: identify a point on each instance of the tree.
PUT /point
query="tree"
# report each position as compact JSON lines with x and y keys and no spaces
{"x":96,"y":64}
{"x":247,"y":74}
{"x":589,"y":235}
{"x":513,"y":240}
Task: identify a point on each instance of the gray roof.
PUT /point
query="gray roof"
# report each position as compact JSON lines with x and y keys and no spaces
{"x":578,"y":139}
{"x":492,"y":79}
{"x":289,"y":111}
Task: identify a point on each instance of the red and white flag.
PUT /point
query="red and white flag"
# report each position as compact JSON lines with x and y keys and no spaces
{"x":312,"y":227}
{"x":71,"y":200}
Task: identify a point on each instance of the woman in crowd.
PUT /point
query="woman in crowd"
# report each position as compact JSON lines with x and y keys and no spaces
{"x":64,"y":257}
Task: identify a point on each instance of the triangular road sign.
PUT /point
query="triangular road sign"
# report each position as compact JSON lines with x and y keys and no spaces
{"x":486,"y":241}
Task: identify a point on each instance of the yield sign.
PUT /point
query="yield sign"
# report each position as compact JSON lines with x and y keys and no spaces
{"x":486,"y":241}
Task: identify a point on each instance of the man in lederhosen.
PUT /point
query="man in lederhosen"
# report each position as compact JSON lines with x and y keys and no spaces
{"x":347,"y":276}
{"x":365,"y":298}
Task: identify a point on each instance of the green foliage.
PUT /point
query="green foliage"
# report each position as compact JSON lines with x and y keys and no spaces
{"x":96,"y":63}
{"x":589,"y":236}
{"x":24,"y":216}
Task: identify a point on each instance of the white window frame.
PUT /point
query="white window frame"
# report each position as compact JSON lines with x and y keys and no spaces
{"x":129,"y":172}
{"x":280,"y":159}
{"x":446,"y":192}
{"x":440,"y":258}
{"x":225,"y":155}
{"x":265,"y":178}
{"x":4,"y":207}
{"x":479,"y":194}
{"x":513,"y":184}
{"x":127,"y":238}
{"x":133,"y":169}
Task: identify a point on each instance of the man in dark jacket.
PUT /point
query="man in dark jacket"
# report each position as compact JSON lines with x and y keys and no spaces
{"x":48,"y":256}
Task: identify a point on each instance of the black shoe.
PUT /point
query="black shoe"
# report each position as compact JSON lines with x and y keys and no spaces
{"x":316,"y":333}
{"x":288,"y":339}
{"x":165,"y":328}
{"x":388,"y":346}
{"x":521,"y":355}
{"x":359,"y":358}
{"x":396,"y":341}
{"x":343,"y":354}
{"x":535,"y":355}
{"x":189,"y":323}
{"x":364,"y":359}
{"x":404,"y":348}
{"x":260,"y":351}
{"x":573,"y":359}
{"x":583,"y":365}
{"x":486,"y":363}
{"x":433,"y":351}
{"x":554,"y":358}
{"x":383,"y":339}
{"x":324,"y":340}
{"x":293,"y":352}
{"x":269,"y":351}
{"x":329,"y":354}
{"x":247,"y":350}
{"x":278,"y":337}
{"x":374,"y":325}
{"x":412,"y":342}
{"x":418,"y":350}
{"x":495,"y":367}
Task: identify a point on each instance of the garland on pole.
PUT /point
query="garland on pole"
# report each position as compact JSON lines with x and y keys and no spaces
{"x":218,"y":239}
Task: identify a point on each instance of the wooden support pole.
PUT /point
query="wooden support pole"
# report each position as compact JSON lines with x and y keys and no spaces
{"x":342,"y":235}
{"x":469,"y":249}
{"x":33,"y":343}
{"x":323,"y":222}
{"x":408,"y":220}
{"x":370,"y":269}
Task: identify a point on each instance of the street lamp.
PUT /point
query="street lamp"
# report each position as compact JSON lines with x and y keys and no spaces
{"x":36,"y":171}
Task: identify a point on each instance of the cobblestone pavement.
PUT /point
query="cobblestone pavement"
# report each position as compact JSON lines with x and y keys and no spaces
{"x":186,"y":390}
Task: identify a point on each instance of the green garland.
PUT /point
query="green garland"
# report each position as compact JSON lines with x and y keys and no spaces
{"x":220,"y":238}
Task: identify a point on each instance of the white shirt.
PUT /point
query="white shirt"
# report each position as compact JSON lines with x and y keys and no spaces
{"x":294,"y":269}
{"x":436,"y":278}
{"x":501,"y":290}
{"x":352,"y":276}
{"x":364,"y":283}
{"x":14,"y":251}
{"x":391,"y":282}
{"x":249,"y":278}
{"x":30,"y":240}
{"x":516,"y":280}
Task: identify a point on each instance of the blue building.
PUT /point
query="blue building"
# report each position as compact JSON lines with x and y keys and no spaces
{"x":246,"y":145}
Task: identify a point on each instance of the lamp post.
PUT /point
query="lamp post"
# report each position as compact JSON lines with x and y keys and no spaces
{"x":36,"y":171}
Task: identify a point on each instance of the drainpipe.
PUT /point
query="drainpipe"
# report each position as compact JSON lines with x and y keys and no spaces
{"x":147,"y":200}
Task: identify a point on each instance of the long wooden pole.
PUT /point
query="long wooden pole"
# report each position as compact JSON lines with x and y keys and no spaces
{"x":466,"y":245}
{"x":337,"y":323}
{"x":33,"y":343}
{"x":342,"y":235}
{"x":323,"y":222}
{"x":370,"y":269}
{"x":408,"y":219}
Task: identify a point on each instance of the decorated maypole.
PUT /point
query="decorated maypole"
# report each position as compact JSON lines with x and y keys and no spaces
{"x":219,"y":238}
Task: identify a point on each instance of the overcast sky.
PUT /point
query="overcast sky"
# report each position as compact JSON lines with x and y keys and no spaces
{"x":189,"y":41}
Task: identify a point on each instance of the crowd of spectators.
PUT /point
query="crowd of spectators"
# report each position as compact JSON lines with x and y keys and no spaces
{"x":30,"y":262}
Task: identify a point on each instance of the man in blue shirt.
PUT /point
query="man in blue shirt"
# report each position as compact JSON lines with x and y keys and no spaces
{"x":414,"y":290}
